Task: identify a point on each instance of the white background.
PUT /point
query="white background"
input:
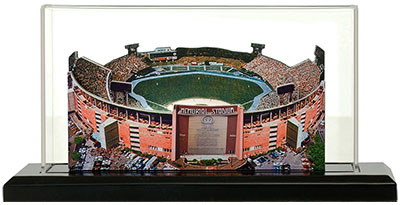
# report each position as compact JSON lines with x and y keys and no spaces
{"x":20,"y":70}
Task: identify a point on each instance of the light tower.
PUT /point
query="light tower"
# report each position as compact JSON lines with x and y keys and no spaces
{"x":132,"y":48}
{"x":257,"y":48}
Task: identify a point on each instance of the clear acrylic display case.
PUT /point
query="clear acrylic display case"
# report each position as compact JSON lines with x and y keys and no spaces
{"x":91,"y":29}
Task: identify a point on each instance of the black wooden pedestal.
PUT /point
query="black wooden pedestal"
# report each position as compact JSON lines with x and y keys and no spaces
{"x":372,"y":182}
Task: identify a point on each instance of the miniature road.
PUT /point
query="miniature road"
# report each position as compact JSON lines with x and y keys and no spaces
{"x":89,"y":160}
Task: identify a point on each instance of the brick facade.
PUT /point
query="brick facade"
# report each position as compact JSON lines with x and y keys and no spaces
{"x":163,"y":142}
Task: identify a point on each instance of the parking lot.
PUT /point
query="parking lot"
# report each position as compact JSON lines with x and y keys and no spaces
{"x":282,"y":158}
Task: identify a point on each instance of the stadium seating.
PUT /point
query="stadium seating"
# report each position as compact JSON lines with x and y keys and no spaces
{"x":268,"y":101}
{"x":306,"y":76}
{"x":271,"y":70}
{"x":92,"y":77}
{"x":122,"y":68}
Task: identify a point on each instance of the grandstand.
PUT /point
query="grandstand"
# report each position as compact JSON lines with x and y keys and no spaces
{"x":124,"y":67}
{"x":271,"y":70}
{"x":305,"y":76}
{"x":214,"y":52}
{"x":236,"y":63}
{"x":93,"y":77}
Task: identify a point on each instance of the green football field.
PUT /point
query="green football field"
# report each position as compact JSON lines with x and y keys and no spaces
{"x":177,"y":87}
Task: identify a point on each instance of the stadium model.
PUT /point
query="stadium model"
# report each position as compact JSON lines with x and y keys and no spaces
{"x":196,"y":108}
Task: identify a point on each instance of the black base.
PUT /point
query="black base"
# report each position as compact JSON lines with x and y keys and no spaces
{"x":373,"y":182}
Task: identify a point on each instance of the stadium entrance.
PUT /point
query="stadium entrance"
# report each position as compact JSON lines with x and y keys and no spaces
{"x":207,"y":131}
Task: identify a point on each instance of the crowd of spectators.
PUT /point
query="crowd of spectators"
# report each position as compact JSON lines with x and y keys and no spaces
{"x":269,"y":101}
{"x":271,"y":70}
{"x":122,"y":68}
{"x":226,"y":61}
{"x":92,"y":77}
{"x":132,"y":102}
{"x":306,"y":75}
{"x":284,"y":112}
{"x":120,"y":98}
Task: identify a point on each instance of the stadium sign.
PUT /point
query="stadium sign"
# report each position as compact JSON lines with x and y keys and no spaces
{"x":192,"y":111}
{"x":207,"y":111}
{"x":223,"y":111}
{"x":207,"y":130}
